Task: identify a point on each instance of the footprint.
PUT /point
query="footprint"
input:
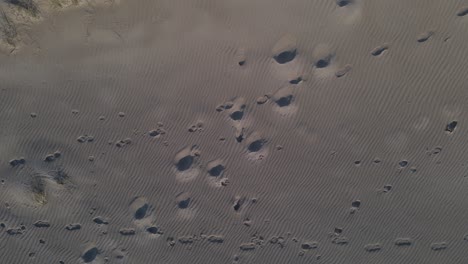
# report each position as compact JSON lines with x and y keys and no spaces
{"x":38,"y":188}
{"x":463,"y":11}
{"x":451,"y":127}
{"x":263,"y":99}
{"x":379,"y":50}
{"x":183,"y":200}
{"x":247,"y":246}
{"x":373,"y":247}
{"x":236,"y":111}
{"x":241,"y":57}
{"x":240,"y":133}
{"x":127,"y":231}
{"x":296,"y":80}
{"x":154,"y":230}
{"x":255,"y":142}
{"x":185,"y":161}
{"x":340,"y":240}
{"x":17,"y":162}
{"x":216,"y":167}
{"x":343,"y":3}
{"x":309,"y":245}
{"x":284,"y":96}
{"x":285,"y":49}
{"x":15,"y":231}
{"x":403,"y":242}
{"x":215,"y":239}
{"x":156,"y":133}
{"x":73,"y":226}
{"x":403,"y":163}
{"x":423,"y":37}
{"x":197,"y":127}
{"x":387,"y":188}
{"x":185,"y":240}
{"x":238,"y":202}
{"x":439,"y":246}
{"x":42,"y":223}
{"x":139,"y":207}
{"x":100,"y":220}
{"x":343,"y":71}
{"x":90,"y":253}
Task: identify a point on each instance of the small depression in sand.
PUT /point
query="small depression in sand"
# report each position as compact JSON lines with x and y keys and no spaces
{"x":256,"y":146}
{"x":184,"y":204}
{"x":186,"y":163}
{"x":284,"y":101}
{"x":216,"y":169}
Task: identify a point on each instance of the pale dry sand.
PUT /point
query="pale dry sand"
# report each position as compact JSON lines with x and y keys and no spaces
{"x":234,"y":131}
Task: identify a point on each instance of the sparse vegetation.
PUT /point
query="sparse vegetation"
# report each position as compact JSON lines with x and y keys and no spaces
{"x":28,"y":5}
{"x":8,"y":28}
{"x":56,"y":3}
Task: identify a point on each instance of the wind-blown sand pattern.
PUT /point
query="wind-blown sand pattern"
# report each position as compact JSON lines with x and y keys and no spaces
{"x":233,"y":131}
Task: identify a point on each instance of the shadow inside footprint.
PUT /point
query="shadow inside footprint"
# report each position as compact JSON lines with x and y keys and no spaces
{"x":185,"y":163}
{"x":285,"y":57}
{"x":237,"y":115}
{"x":152,"y":230}
{"x":342,"y":3}
{"x":284,"y":101}
{"x":216,"y":171}
{"x":140,"y":207}
{"x":90,"y":254}
{"x":256,"y":145}
{"x":141,"y":212}
{"x":322,"y":63}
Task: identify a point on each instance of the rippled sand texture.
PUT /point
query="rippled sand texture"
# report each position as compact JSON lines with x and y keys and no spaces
{"x":234,"y":131}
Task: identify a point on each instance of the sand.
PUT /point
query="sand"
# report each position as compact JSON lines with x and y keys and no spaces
{"x":227,"y":131}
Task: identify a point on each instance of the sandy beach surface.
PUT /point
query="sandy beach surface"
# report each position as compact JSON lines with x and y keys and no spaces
{"x":234,"y":131}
